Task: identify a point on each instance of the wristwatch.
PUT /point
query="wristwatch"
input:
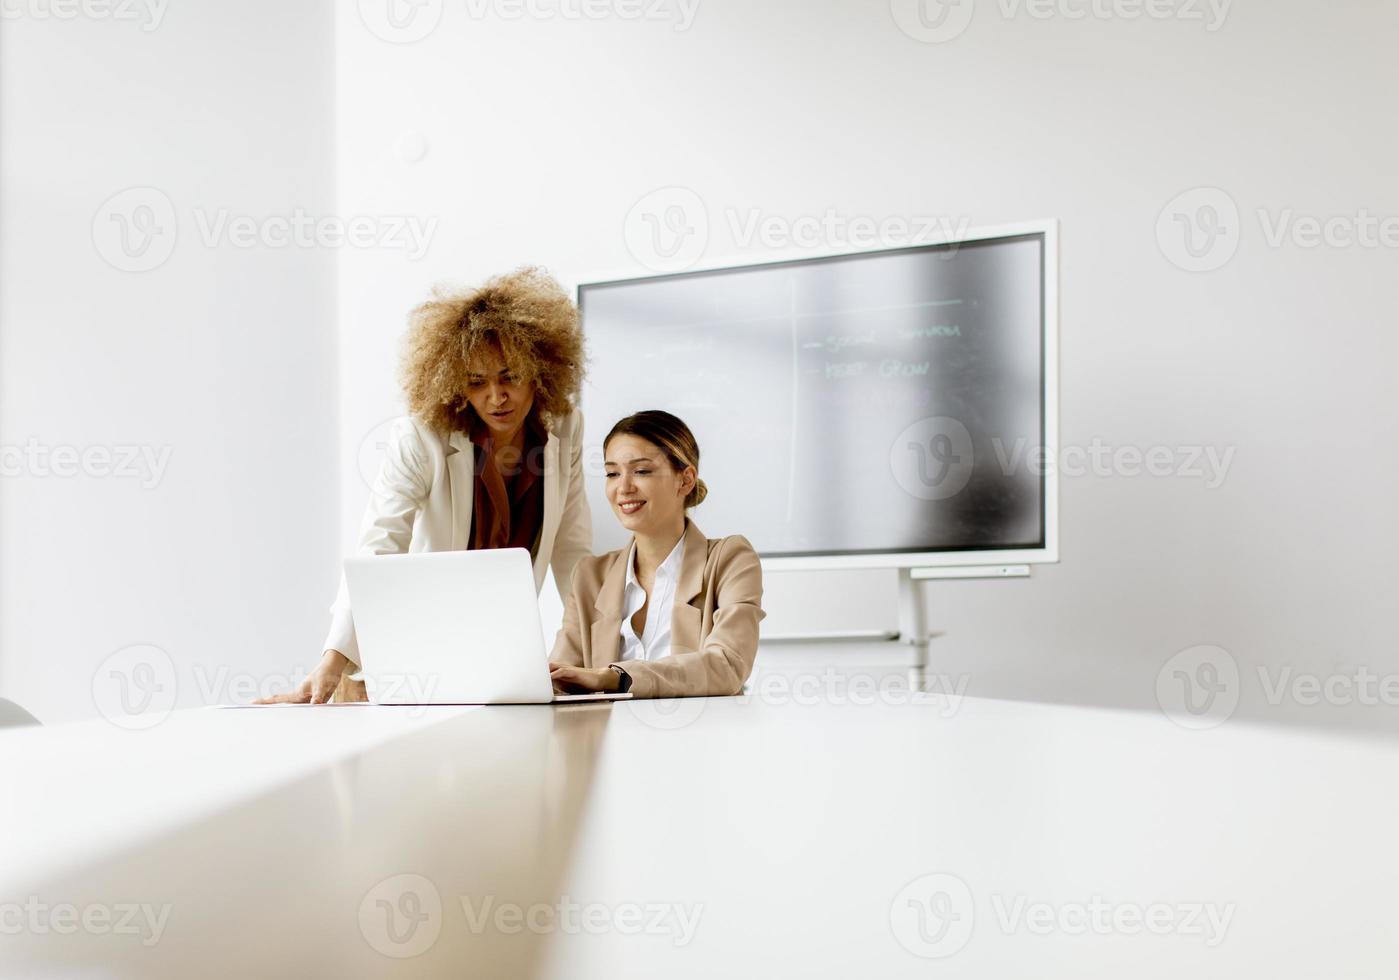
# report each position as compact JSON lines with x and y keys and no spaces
{"x":624,"y":681}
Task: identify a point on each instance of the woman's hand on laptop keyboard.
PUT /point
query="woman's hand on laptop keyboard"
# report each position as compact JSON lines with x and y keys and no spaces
{"x":582,"y":680}
{"x":319,"y":685}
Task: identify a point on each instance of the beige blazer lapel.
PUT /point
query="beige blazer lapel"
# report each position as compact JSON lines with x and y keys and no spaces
{"x":461,"y":474}
{"x":685,"y":619}
{"x":606,"y":633}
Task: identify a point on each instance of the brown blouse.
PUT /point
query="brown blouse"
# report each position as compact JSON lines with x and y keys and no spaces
{"x":507,"y":508}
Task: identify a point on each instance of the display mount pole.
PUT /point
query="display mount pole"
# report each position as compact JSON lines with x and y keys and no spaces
{"x":913,"y":624}
{"x":913,"y":608}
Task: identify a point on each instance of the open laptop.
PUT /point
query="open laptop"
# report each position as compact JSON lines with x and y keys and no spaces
{"x":452,"y":627}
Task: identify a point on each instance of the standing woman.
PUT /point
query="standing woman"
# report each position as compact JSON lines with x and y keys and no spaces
{"x":491,"y":454}
{"x":673,"y":614}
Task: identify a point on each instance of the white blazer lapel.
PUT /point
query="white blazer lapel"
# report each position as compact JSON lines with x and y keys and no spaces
{"x":461,"y":473}
{"x":553,"y":504}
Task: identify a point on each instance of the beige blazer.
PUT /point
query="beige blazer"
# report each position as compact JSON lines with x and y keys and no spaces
{"x":422,"y":500}
{"x":714,"y":626}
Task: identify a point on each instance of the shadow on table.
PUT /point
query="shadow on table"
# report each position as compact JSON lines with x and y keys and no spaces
{"x":436,"y":854}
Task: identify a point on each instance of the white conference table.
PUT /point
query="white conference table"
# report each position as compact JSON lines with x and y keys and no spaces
{"x":763,"y":836}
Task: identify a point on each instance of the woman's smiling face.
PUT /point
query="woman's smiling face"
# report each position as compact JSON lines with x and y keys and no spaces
{"x":646,"y":493}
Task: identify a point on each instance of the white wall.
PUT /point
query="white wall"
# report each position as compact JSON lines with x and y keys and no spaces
{"x":542,"y":133}
{"x":223,"y":356}
{"x":502,"y":140}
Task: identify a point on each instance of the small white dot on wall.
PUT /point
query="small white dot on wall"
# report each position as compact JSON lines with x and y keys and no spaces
{"x":412,"y":147}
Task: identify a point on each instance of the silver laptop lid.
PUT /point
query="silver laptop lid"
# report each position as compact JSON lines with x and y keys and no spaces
{"x":449,"y":627}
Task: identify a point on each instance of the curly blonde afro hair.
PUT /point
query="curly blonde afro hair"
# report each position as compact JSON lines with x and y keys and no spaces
{"x":526,"y":313}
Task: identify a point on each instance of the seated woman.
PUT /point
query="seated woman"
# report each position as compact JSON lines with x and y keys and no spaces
{"x":673,"y":614}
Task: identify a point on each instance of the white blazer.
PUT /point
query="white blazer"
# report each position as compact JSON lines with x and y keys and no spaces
{"x":422,"y":499}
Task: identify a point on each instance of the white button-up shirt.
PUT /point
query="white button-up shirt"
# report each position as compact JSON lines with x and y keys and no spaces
{"x":654,"y":641}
